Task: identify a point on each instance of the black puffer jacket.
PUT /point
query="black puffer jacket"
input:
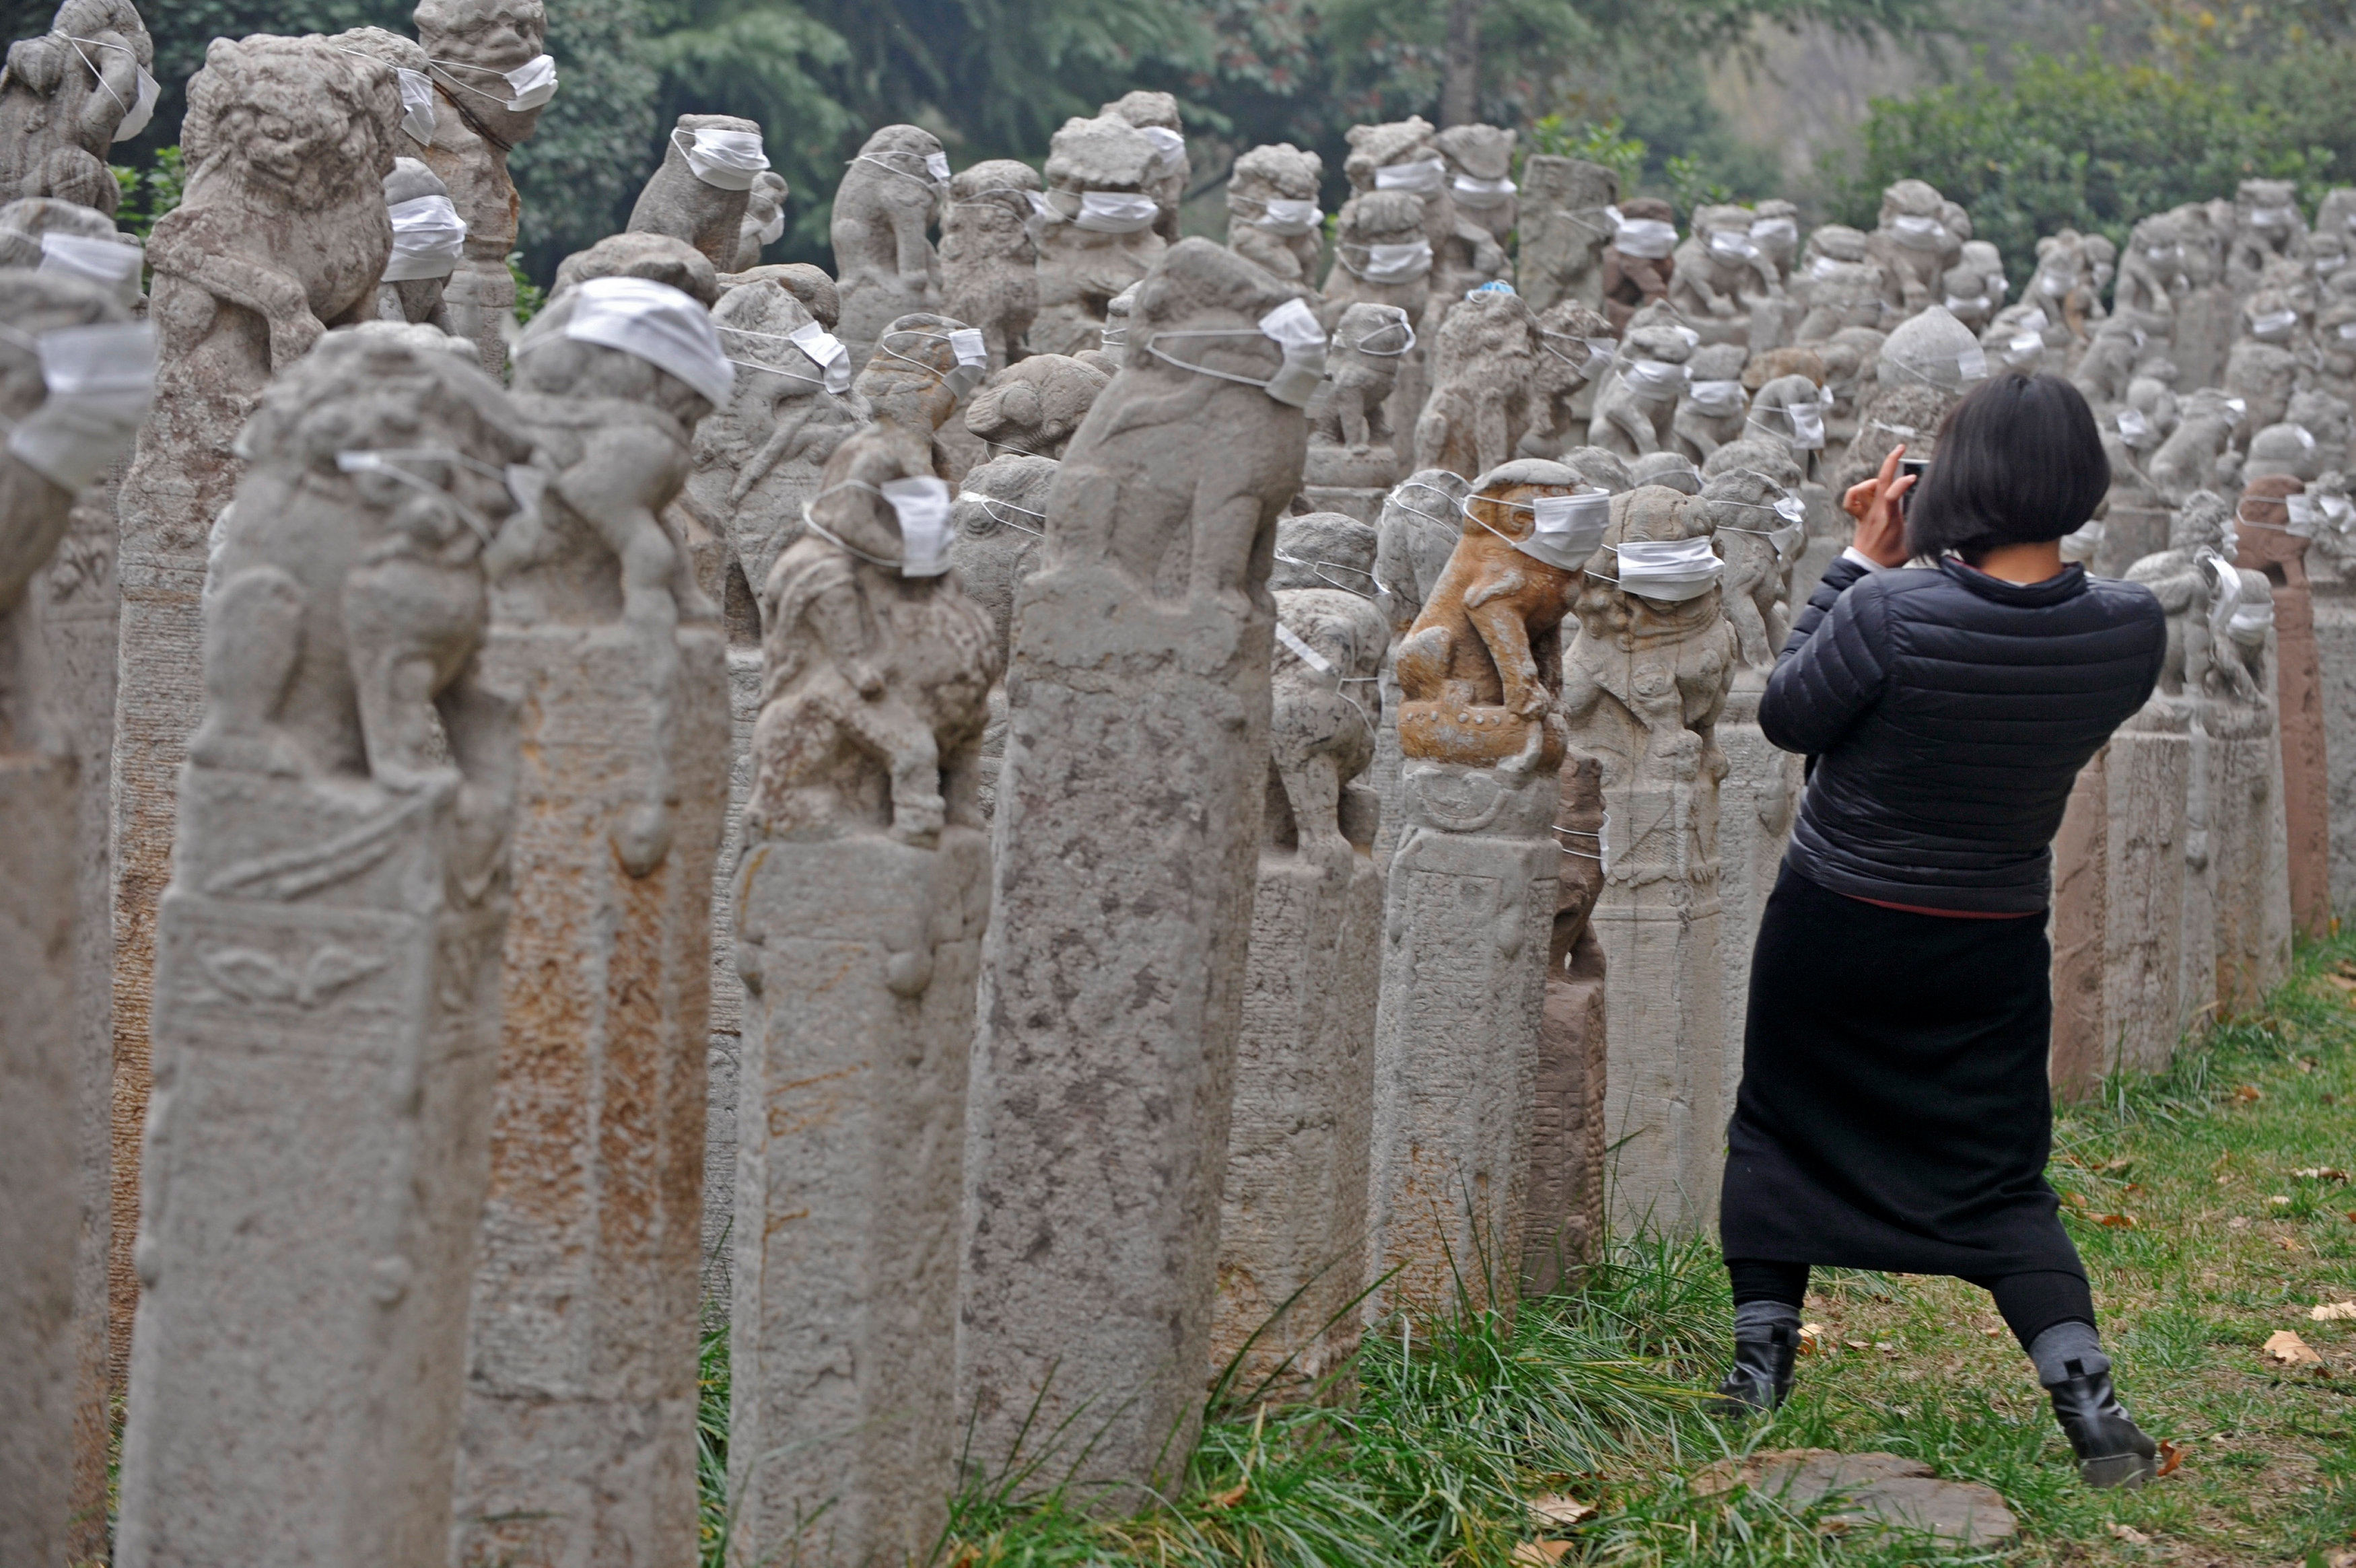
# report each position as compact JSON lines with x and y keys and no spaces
{"x":1946,"y":713}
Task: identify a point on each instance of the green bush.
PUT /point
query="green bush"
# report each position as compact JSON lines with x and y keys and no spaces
{"x":2081,"y":143}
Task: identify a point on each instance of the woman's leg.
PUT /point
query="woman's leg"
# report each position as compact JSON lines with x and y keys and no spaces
{"x":1767,"y":1297}
{"x":2053,"y":1316}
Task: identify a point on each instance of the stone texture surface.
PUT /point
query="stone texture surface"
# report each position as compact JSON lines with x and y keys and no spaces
{"x":1292,"y":1229}
{"x":66,"y":94}
{"x":1644,"y":690}
{"x":1128,"y":825}
{"x":578,"y":1443}
{"x":1470,"y":909}
{"x":1286,"y":245}
{"x":1887,"y":1491}
{"x":2334,"y":589}
{"x":989,"y":263}
{"x":884,"y":263}
{"x":1084,"y":259}
{"x":1415,"y":533}
{"x":678,"y":202}
{"x":1563,"y":1216}
{"x":1481,"y":402}
{"x":860,"y":896}
{"x":471,"y":44}
{"x":2268,"y":546}
{"x":327,"y":1000}
{"x":249,"y":272}
{"x":1564,"y":230}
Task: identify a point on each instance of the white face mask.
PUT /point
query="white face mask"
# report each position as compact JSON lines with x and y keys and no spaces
{"x":1397,"y":263}
{"x":1423,"y":176}
{"x":724,"y":159}
{"x":937,"y":166}
{"x":1116,"y":212}
{"x":112,"y":267}
{"x":1390,"y":338}
{"x":657,"y":323}
{"x":1169,"y":147}
{"x":429,"y":240}
{"x":1775,"y":230}
{"x":1805,"y":422}
{"x":141,"y":107}
{"x":1654,"y":379}
{"x":2303,"y":513}
{"x":2134,"y":429}
{"x":1472,"y":192}
{"x":1601,"y":352}
{"x":2080,"y":544}
{"x":1565,"y":531}
{"x":825,"y":351}
{"x":2238,"y":408}
{"x":774,"y":229}
{"x":1670,"y":570}
{"x":1727,"y":246}
{"x":416,"y":105}
{"x":922,"y":506}
{"x":1824,"y":266}
{"x":1919,"y":233}
{"x":965,"y":346}
{"x":2224,"y":584}
{"x":1648,"y":238}
{"x":1292,"y":325}
{"x":1717,"y":400}
{"x":100,"y":380}
{"x":2273,"y":324}
{"x":2023,"y":349}
{"x":526,"y":485}
{"x":2270,"y":218}
{"x":1290,"y":217}
{"x":529,"y":85}
{"x":1958,"y":306}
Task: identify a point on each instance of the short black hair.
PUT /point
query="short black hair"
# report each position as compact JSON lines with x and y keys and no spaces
{"x":2019,"y":461}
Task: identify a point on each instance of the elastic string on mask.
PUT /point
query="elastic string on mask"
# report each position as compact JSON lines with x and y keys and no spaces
{"x":1597,"y":834}
{"x":103,"y":44}
{"x":877,"y":159}
{"x":1323,"y":567}
{"x":817,"y":380}
{"x":377,"y":460}
{"x":1401,"y":325}
{"x":990,"y":504}
{"x":1206,"y":370}
{"x":832,"y":536}
{"x":1415,"y":511}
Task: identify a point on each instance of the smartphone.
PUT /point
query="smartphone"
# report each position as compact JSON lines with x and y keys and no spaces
{"x":1917,"y":466}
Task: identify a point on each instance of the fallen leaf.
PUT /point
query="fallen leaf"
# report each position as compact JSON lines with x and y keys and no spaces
{"x":2248,"y":1092}
{"x":1857,"y":1344}
{"x":1540,"y":1553}
{"x":1991,"y":1333}
{"x":1558,"y":1510}
{"x":2277,"y":1201}
{"x":2238,"y":1222}
{"x":2117,"y":1221}
{"x":2285,"y":1347}
{"x":2171,"y":1457}
{"x":2121,"y":1163}
{"x":2130,"y":1534}
{"x":1233,"y":1495}
{"x":2287,"y":1244}
{"x":1812,"y":1338}
{"x":2073,"y":1200}
{"x":2342,"y":981}
{"x":2321,"y":1173}
{"x":2333,"y":1312}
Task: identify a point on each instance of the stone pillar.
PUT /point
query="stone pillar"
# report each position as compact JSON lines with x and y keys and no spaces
{"x":2248,"y":837}
{"x":2335,"y":660}
{"x":479,"y":118}
{"x":724,"y":1060}
{"x":1470,"y":902}
{"x":2268,"y":544}
{"x":578,"y":1439}
{"x":1757,"y":803}
{"x":321,"y":259}
{"x":1293,"y":1225}
{"x":1564,"y":228}
{"x":1128,"y":822}
{"x":1563,"y":1217}
{"x":860,"y":895}
{"x":327,"y":990}
{"x":1647,"y":683}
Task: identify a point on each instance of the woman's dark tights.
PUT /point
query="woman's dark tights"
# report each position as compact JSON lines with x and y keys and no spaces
{"x":2030,"y":1303}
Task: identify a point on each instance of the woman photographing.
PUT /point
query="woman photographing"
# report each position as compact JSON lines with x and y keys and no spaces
{"x":1894,"y":1113}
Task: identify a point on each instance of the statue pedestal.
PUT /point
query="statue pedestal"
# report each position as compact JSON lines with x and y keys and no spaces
{"x":1756,"y":802}
{"x":2248,"y":845}
{"x":579,"y":1439}
{"x":326,"y":1034}
{"x":859,"y":956}
{"x":1468,"y":910}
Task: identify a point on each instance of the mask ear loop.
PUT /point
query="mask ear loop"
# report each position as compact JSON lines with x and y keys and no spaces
{"x":1322,"y":569}
{"x":837,"y":539}
{"x":817,"y":380}
{"x":1597,"y":834}
{"x":1206,"y":370}
{"x":475,"y":522}
{"x":100,"y":76}
{"x":990,"y":504}
{"x":924,"y":180}
{"x":883,"y":346}
{"x":446,"y":66}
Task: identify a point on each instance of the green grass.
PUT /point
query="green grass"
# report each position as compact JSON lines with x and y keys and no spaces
{"x":1595,"y":1393}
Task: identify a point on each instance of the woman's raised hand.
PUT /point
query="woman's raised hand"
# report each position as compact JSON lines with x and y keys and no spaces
{"x":1880,"y":534}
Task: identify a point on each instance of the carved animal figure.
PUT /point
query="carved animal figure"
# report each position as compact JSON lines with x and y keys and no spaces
{"x":288,"y":143}
{"x":885,"y":264}
{"x":1718,"y":271}
{"x":1158,"y":112}
{"x":1098,"y":236}
{"x":658,"y":258}
{"x":1711,"y":408}
{"x":1566,"y":367}
{"x":1490,"y":633}
{"x":1377,"y":259}
{"x":1287,"y":240}
{"x":24,"y":223}
{"x":1480,"y":406}
{"x":2187,"y":460}
{"x":2263,"y":376}
{"x":1480,"y":165}
{"x":2267,"y":226}
{"x":1635,"y":406}
{"x":66,"y":95}
{"x":1916,"y":243}
{"x":2065,"y":285}
{"x":1321,"y":728}
{"x":1135,"y":494}
{"x":990,"y":266}
{"x":678,"y":202}
{"x":417,"y":301}
{"x":1974,"y":285}
{"x":348,"y":603}
{"x":1563,"y":229}
{"x":765,"y":219}
{"x":1037,"y":406}
{"x":875,"y":683}
{"x":1632,"y":283}
{"x":2184,"y":590}
{"x":1464,"y":254}
{"x":1743,"y":483}
{"x":1839,"y":285}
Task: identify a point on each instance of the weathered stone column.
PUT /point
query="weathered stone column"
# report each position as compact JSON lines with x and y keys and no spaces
{"x":578,"y":1443}
{"x":1472,"y":892}
{"x":303,"y":257}
{"x":53,"y":1047}
{"x":2269,"y":544}
{"x":860,"y":897}
{"x":2248,"y":839}
{"x":1647,"y":682}
{"x":1563,"y":1217}
{"x":327,"y":1002}
{"x":492,"y":76}
{"x":1292,"y":1223}
{"x":1415,"y":533}
{"x":1564,"y":228}
{"x":2332,"y":582}
{"x":1128,"y":822}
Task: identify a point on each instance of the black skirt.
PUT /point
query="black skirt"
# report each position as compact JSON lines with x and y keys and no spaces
{"x":1894,"y":1113}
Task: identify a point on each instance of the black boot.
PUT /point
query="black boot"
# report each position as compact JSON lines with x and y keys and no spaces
{"x":1762,"y":1374}
{"x":2112,"y":1450}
